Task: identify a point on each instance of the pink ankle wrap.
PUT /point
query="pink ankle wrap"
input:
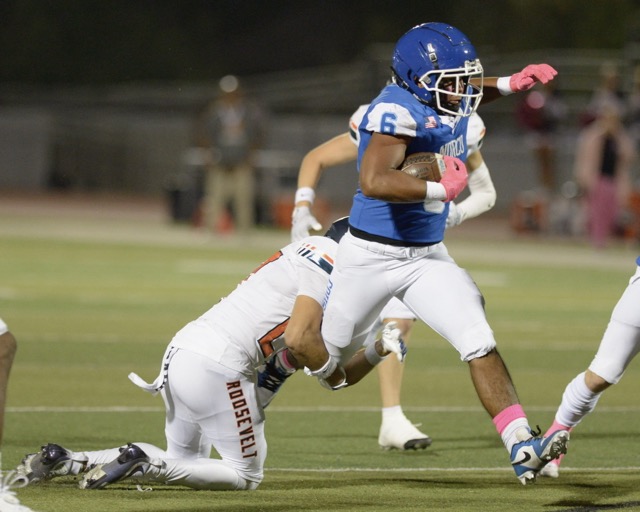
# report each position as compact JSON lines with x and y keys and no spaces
{"x":556,"y":426}
{"x":506,"y":416}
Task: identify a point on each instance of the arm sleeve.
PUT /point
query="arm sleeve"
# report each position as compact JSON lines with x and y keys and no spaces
{"x":482,"y":195}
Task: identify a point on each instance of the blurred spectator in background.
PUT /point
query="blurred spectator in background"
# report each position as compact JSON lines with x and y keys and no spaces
{"x":604,"y":153}
{"x":633,"y":103}
{"x":607,"y":94}
{"x":540,"y":114}
{"x":231,"y":128}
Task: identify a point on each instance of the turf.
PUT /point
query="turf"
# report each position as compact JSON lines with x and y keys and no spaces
{"x":92,"y":298}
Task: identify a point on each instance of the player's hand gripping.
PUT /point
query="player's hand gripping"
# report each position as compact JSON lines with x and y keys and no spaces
{"x":529,"y":76}
{"x":301,"y":222}
{"x":455,"y":177}
{"x":392,"y":340}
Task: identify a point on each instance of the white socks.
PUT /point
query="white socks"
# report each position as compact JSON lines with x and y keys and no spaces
{"x":392,"y":413}
{"x":515,"y":432}
{"x":577,"y":401}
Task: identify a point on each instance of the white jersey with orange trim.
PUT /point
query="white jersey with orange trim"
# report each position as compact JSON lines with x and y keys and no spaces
{"x":209,"y":378}
{"x":248,"y":324}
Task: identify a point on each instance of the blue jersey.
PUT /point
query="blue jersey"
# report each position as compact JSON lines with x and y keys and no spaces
{"x":397,"y":112}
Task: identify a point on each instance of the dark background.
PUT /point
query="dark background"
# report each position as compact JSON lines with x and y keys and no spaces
{"x":100,"y":96}
{"x":114,"y":41}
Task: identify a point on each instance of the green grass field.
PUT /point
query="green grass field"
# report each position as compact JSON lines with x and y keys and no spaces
{"x":93,"y":297}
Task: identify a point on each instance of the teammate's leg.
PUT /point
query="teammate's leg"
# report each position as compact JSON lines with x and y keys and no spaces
{"x":8,"y":348}
{"x":618,"y":347}
{"x":396,"y":431}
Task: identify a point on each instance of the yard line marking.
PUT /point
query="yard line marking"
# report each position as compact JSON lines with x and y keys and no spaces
{"x":431,"y":470}
{"x":444,"y":408}
{"x":446,"y":470}
{"x":303,"y":409}
{"x":109,"y":409}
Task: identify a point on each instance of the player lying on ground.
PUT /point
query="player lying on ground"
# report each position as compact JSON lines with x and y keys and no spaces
{"x":213,"y":393}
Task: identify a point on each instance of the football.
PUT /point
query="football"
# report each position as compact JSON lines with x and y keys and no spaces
{"x":425,"y":166}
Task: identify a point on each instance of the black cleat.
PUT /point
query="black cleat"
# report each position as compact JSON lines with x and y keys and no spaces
{"x":132,"y":462}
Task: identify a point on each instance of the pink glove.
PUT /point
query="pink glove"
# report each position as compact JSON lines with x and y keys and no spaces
{"x":455,"y":177}
{"x":529,"y":76}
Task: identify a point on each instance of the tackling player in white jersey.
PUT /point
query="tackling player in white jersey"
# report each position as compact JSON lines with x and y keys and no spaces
{"x":620,"y":344}
{"x":217,"y":375}
{"x":396,"y":431}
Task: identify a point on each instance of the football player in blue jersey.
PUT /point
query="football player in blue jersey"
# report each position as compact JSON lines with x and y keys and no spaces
{"x":396,"y":430}
{"x":394,"y":247}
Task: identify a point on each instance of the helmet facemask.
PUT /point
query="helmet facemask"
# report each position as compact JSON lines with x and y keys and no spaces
{"x":441,"y":84}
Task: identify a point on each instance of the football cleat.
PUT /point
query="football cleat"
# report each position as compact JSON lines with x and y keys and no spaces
{"x":51,"y":461}
{"x":8,"y":500}
{"x":401,"y":434}
{"x":132,"y":462}
{"x":530,"y":456}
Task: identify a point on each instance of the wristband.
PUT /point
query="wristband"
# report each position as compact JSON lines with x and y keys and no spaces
{"x":435,"y":191}
{"x":503,"y":85}
{"x":305,"y":194}
{"x":372,"y":356}
{"x":325,"y":372}
{"x":326,"y":385}
{"x":342,"y":384}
